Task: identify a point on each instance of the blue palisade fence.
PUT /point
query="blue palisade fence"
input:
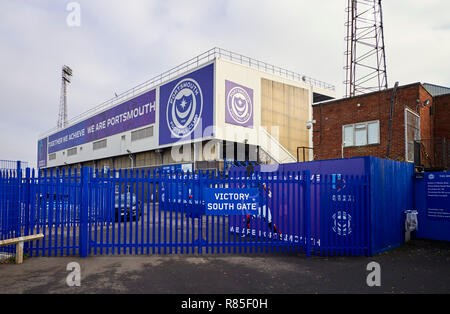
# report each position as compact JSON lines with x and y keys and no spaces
{"x":86,"y":212}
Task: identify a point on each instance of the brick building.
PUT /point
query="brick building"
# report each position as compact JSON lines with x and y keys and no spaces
{"x":442,"y":114}
{"x":406,"y":123}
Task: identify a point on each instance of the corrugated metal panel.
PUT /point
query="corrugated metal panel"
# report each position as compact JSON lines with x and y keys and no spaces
{"x":391,"y":193}
{"x":436,"y":90}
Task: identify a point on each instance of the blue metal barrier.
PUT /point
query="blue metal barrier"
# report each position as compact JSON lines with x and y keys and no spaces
{"x":230,"y":164}
{"x":432,"y":201}
{"x":111,"y":213}
{"x":388,"y":193}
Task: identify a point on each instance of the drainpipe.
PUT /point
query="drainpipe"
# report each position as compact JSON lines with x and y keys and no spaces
{"x":391,"y":113}
{"x":130,"y":155}
{"x":161,"y":157}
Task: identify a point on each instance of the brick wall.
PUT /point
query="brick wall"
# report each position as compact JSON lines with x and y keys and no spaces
{"x":331,"y":116}
{"x":442,"y":117}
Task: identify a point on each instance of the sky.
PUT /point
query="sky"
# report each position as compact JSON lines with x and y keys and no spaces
{"x":120,"y":44}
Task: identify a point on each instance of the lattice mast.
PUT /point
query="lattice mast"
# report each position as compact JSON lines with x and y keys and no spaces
{"x":65,"y":80}
{"x":365,"y":55}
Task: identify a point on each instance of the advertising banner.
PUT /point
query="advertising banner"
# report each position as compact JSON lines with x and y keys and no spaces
{"x":277,"y":217}
{"x":238,"y":104}
{"x":70,"y":137}
{"x":132,"y":114}
{"x":281,"y":209}
{"x":42,"y":153}
{"x":186,"y":107}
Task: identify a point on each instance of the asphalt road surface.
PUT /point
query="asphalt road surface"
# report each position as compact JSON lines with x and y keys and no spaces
{"x":417,"y":267}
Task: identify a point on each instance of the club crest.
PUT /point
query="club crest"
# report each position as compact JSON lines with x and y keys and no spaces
{"x":239,"y":105}
{"x":342,"y":223}
{"x":184,"y":108}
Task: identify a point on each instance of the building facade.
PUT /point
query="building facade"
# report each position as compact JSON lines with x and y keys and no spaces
{"x":217,"y":106}
{"x":398,"y":123}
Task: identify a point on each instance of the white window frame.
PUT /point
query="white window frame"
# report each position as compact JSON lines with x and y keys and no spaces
{"x":367,"y":133}
{"x":406,"y":132}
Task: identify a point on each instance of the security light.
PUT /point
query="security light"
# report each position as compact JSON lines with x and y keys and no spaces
{"x":309,"y":124}
{"x":423,"y":104}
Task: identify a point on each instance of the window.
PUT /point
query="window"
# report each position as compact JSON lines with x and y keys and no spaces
{"x":412,"y":133}
{"x":373,"y":133}
{"x":72,"y":151}
{"x":348,"y":135}
{"x":142,"y":133}
{"x":52,"y":156}
{"x":99,"y":144}
{"x":360,"y":134}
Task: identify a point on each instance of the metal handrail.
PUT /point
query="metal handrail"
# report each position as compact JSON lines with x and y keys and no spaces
{"x":210,"y":55}
{"x":288,"y":156}
{"x":12,"y":164}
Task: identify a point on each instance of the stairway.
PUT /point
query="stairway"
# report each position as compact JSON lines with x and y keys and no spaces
{"x":273,"y":148}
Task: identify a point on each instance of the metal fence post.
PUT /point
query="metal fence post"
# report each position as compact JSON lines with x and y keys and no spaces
{"x":27,"y":201}
{"x":18,"y":210}
{"x":83,"y":231}
{"x":307,"y":209}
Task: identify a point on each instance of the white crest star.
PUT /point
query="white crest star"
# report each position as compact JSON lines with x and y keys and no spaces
{"x":183,"y":103}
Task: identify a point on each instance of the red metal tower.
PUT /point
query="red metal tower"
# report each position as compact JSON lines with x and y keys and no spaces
{"x":366,"y":61}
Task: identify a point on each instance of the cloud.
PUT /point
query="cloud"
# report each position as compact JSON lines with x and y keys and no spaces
{"x":121,"y":44}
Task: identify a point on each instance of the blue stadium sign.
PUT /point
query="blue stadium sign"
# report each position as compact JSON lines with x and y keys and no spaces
{"x":230,"y":201}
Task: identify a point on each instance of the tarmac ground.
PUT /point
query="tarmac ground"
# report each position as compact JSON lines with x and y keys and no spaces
{"x":419,"y":266}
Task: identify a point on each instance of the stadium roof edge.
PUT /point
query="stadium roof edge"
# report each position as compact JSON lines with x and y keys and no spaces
{"x":202,"y":59}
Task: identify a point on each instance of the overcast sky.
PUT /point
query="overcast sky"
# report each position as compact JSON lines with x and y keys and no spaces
{"x":120,"y":44}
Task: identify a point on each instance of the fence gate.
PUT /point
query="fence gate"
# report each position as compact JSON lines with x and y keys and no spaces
{"x":155,"y":212}
{"x":148,"y":213}
{"x":48,"y":204}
